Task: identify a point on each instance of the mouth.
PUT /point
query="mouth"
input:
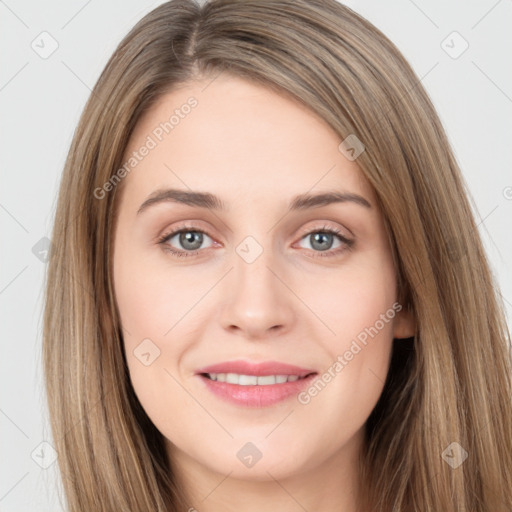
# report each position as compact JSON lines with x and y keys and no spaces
{"x":254,"y":380}
{"x":255,"y":384}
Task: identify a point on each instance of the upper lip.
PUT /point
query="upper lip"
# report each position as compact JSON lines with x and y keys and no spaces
{"x":260,"y":369}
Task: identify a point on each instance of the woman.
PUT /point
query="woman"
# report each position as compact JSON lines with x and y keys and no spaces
{"x":251,"y":371}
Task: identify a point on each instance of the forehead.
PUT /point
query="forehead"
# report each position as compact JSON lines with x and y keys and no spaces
{"x":239,"y":140}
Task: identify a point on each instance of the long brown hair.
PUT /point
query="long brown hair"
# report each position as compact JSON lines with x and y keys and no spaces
{"x":448,"y":391}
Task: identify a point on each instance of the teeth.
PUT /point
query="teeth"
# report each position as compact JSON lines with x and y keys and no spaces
{"x":252,"y":380}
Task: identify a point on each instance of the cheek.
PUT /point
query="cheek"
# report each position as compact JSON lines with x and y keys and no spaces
{"x":154,"y":299}
{"x":153,"y":308}
{"x":358,"y":305}
{"x":354,"y":298}
{"x":160,"y":310}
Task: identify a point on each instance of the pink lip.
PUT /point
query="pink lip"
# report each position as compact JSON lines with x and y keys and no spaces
{"x":256,"y":396}
{"x":260,"y":369}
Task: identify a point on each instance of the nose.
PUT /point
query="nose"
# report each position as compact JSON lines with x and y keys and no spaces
{"x":258,"y":302}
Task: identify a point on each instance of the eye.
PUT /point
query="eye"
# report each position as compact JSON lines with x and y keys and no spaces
{"x":188,"y":237}
{"x":321,"y":241}
{"x":191,"y":239}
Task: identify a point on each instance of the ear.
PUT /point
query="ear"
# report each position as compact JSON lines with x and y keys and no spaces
{"x":404,"y":324}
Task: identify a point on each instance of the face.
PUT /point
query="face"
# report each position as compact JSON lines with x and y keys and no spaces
{"x":258,"y":274}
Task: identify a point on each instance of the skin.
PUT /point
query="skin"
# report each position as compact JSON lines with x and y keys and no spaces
{"x":255,"y":149}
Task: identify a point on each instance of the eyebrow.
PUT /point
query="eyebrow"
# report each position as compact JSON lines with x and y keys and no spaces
{"x":212,"y":202}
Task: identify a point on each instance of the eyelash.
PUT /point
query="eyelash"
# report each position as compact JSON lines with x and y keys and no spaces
{"x":320,"y":254}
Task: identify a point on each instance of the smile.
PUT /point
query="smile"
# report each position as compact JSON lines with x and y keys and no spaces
{"x":252,"y":380}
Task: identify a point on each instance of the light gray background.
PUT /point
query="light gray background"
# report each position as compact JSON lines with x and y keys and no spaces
{"x":41,"y":100}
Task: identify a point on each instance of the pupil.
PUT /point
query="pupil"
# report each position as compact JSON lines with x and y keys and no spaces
{"x":188,"y":238}
{"x":320,"y":239}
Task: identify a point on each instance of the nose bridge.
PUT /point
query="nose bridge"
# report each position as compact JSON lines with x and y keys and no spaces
{"x":257,"y":301}
{"x":252,"y":262}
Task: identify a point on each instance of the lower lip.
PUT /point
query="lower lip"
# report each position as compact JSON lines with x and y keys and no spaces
{"x":256,"y":396}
